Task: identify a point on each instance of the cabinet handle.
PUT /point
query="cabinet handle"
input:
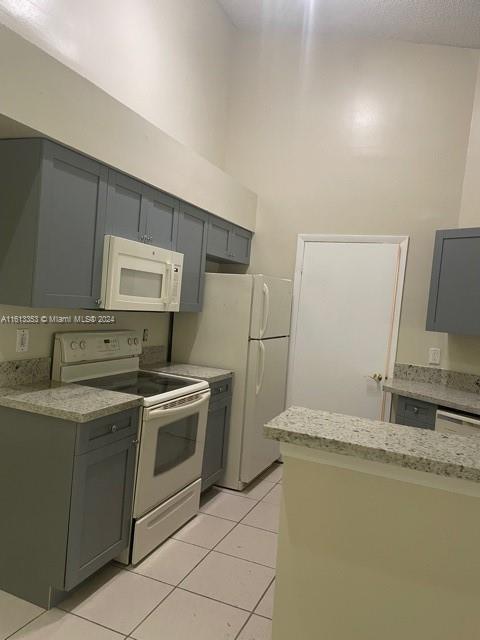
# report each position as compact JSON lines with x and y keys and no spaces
{"x":135,"y":442}
{"x":99,"y":302}
{"x":149,"y":238}
{"x":113,"y":428}
{"x":415,"y":409}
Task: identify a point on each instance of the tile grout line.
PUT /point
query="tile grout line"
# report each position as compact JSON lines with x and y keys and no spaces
{"x":178,"y":585}
{"x":26,"y":624}
{"x":253,"y":610}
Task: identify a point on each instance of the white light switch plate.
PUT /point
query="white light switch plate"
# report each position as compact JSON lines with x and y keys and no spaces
{"x":434,"y":355}
{"x":23,"y":338}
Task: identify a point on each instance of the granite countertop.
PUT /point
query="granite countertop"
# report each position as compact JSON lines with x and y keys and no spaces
{"x":74,"y":402}
{"x":435,"y":393}
{"x":209,"y":374}
{"x":408,"y":447}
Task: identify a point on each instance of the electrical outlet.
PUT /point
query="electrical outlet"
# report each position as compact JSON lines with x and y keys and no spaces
{"x":434,"y":355}
{"x":23,"y":338}
{"x":145,"y":335}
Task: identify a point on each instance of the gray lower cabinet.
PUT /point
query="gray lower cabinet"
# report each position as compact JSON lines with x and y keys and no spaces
{"x":192,"y":242}
{"x":228,"y":242}
{"x":53,"y":204}
{"x":454,"y":302}
{"x":415,"y":413}
{"x":66,"y":492}
{"x":218,"y":427}
{"x":101,"y":509}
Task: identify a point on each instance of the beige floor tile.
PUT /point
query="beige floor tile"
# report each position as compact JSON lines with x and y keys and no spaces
{"x":187,"y":616}
{"x":265,"y":606}
{"x":58,"y":625}
{"x":171,"y":562}
{"x":226,"y":505}
{"x":116,"y":598}
{"x":256,"y":490}
{"x":275,"y":495}
{"x":252,"y":544}
{"x":265,"y":516}
{"x":230,"y":580}
{"x":275,"y":473}
{"x":257,"y":629}
{"x":204,"y":530}
{"x":14,"y":613}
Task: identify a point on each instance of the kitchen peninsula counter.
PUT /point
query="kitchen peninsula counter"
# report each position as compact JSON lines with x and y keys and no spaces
{"x":378,"y":530}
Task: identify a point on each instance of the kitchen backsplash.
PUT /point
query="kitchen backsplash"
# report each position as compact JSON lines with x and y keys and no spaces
{"x":453,"y":379}
{"x":14,"y":372}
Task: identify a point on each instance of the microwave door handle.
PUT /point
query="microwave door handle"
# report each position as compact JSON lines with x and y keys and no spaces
{"x":168,"y":296}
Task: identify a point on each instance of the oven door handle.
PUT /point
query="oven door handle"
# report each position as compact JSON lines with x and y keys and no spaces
{"x":151,"y":414}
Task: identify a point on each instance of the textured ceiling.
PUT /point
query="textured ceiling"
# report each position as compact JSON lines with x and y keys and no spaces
{"x":447,"y":22}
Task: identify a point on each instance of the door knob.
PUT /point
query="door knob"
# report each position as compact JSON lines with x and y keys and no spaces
{"x":377,"y":377}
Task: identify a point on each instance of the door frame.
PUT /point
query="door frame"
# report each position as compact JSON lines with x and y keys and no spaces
{"x":402,"y":242}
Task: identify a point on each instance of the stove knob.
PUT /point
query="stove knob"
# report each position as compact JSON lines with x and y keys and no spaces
{"x":135,"y":340}
{"x":74,"y":345}
{"x":83,"y":345}
{"x":130,"y":341}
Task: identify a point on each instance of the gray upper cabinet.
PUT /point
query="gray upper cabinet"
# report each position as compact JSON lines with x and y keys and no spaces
{"x":162,"y":220}
{"x":53,"y":204}
{"x":454,"y":302}
{"x":228,"y":242}
{"x":240,"y":245}
{"x":192,"y":242}
{"x":128,"y":203}
{"x":219,"y":232}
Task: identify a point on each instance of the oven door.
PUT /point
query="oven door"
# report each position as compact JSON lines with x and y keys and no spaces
{"x":171,"y":449}
{"x":135,"y":276}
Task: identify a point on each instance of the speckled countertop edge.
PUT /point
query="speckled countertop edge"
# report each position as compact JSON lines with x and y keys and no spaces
{"x":72,"y":402}
{"x":407,"y":447}
{"x":436,"y":394}
{"x":210,"y":374}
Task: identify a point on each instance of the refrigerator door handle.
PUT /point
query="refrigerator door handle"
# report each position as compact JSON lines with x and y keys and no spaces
{"x":261,"y":369}
{"x":266,"y":309}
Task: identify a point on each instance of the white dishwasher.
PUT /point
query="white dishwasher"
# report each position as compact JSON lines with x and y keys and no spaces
{"x":457,"y":424}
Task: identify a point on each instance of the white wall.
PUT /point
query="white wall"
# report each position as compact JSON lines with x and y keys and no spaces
{"x":168,"y":60}
{"x":354,"y":136}
{"x":470,"y":210}
{"x":41,"y":334}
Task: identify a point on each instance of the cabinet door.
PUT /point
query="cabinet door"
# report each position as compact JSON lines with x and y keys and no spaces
{"x":162,"y":220}
{"x":454,"y":304}
{"x":127,"y":206}
{"x":216,"y":441}
{"x":101,"y":509}
{"x":240,"y":243}
{"x":192,"y":242}
{"x":70,"y":230}
{"x":219,"y":232}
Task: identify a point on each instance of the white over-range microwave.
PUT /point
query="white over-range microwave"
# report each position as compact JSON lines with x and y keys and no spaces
{"x":140,"y":277}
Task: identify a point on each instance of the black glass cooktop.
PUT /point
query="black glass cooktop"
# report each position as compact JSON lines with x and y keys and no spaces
{"x":139,"y":383}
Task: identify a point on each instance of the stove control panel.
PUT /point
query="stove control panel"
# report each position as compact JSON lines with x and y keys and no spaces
{"x":93,"y":346}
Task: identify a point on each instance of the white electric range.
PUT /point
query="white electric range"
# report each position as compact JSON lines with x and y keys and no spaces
{"x":172,"y":433}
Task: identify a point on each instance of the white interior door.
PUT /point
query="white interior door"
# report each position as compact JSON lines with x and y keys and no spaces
{"x":346,"y":312}
{"x":265,"y":399}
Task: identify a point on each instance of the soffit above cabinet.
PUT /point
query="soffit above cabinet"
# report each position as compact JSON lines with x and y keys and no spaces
{"x":46,"y":97}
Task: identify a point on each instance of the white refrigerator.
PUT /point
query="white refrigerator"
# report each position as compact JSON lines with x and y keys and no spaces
{"x":245,"y":327}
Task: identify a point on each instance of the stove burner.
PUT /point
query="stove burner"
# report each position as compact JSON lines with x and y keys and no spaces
{"x":139,"y":383}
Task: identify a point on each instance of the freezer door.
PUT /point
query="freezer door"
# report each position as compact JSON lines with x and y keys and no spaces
{"x":265,"y":399}
{"x":271,"y":307}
